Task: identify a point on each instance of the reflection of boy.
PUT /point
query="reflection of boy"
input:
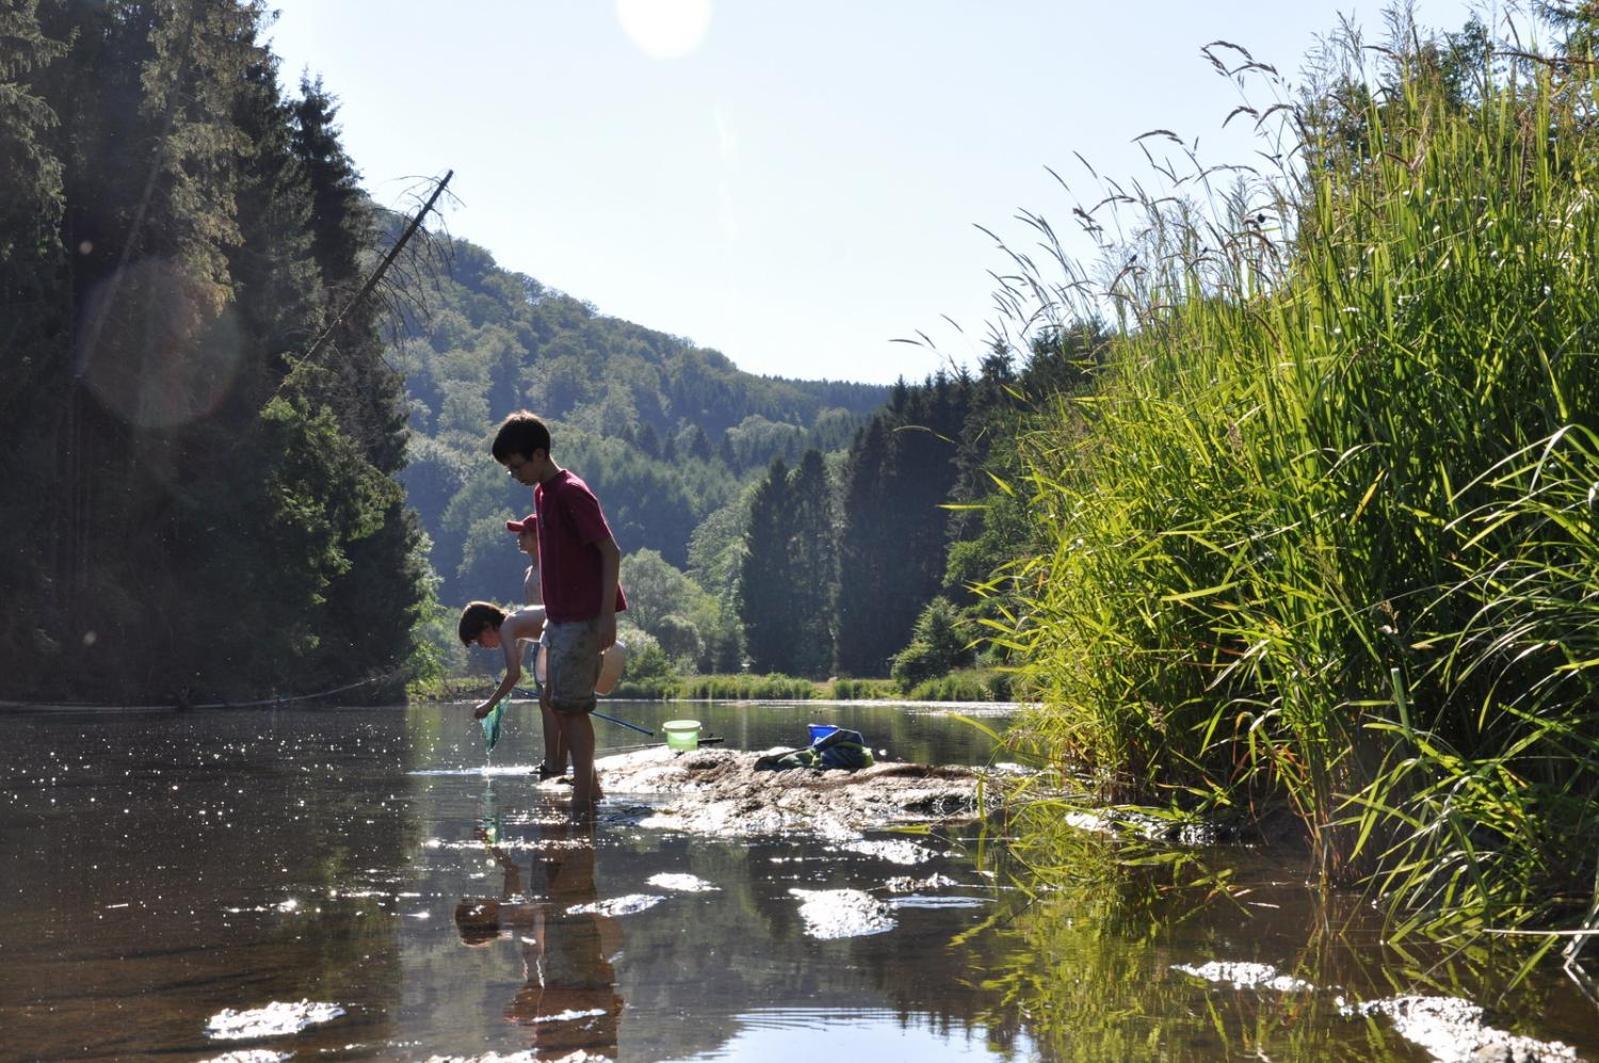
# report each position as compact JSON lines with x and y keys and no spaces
{"x":569,"y":1000}
{"x":527,"y":540}
{"x":579,"y":563}
{"x":478,"y":919}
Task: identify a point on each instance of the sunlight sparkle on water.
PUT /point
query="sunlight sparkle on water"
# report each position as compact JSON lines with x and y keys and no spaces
{"x":273,"y":1020}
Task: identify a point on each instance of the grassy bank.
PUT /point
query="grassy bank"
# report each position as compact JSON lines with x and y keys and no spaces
{"x":1324,"y":536}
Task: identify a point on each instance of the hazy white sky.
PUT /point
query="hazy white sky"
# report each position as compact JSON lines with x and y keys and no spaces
{"x":794,"y":184}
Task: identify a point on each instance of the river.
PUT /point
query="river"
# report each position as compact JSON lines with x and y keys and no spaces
{"x":369,"y":883}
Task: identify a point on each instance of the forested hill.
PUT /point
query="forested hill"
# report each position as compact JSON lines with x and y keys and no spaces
{"x":663,"y":430}
{"x":200,"y":502}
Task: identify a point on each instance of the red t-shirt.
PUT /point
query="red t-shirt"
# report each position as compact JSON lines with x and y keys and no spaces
{"x":570,"y":523}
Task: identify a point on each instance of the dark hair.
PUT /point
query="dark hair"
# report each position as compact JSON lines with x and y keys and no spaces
{"x":477,"y":920}
{"x":477,"y":616}
{"x":521,"y":433}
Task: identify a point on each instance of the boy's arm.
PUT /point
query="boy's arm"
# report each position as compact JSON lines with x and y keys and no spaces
{"x":610,"y":574}
{"x":513,"y":672}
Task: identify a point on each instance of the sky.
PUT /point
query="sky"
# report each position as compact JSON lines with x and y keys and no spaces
{"x":797,"y":185}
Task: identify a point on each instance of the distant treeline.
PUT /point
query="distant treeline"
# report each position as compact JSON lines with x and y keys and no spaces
{"x":194,"y":510}
{"x":874,"y":568}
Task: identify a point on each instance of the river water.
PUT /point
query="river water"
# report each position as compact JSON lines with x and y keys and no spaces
{"x":368,"y":883}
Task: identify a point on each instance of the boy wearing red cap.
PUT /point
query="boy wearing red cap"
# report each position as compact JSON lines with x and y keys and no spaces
{"x":527,"y":540}
{"x":526,"y":531}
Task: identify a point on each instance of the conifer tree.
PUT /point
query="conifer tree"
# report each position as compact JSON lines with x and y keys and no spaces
{"x":33,"y":267}
{"x":813,"y":567}
{"x":372,"y":606}
{"x":859,"y":613}
{"x":766,"y":575}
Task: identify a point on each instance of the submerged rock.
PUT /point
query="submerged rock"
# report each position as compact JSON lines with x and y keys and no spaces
{"x":896,"y":851}
{"x":718,"y":791}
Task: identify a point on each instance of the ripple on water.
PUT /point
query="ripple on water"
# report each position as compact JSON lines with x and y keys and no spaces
{"x":250,"y":1055}
{"x":274,"y":1020}
{"x":481,"y":769}
{"x":918,"y":900}
{"x":842,"y":913}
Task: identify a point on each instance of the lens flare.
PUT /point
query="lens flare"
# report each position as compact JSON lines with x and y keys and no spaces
{"x":664,"y":29}
{"x":158,"y":346}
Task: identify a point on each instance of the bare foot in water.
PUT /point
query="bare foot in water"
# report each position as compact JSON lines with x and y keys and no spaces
{"x":584,"y":805}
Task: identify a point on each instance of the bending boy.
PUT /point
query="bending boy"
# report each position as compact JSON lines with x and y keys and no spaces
{"x":579,"y":563}
{"x":486,"y":624}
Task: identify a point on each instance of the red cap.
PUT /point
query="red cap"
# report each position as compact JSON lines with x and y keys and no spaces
{"x":527,"y":523}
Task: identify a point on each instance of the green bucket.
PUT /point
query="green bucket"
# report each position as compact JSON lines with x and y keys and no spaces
{"x":682,"y":734}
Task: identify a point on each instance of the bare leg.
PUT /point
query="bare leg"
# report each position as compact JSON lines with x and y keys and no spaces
{"x":554,"y":740}
{"x":578,"y":730}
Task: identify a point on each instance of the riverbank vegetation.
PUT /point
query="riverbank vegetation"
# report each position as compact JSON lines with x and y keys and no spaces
{"x":967,"y":685}
{"x":1321,"y":537}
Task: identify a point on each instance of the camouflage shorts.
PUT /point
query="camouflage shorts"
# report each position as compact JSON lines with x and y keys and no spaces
{"x":572,"y":664}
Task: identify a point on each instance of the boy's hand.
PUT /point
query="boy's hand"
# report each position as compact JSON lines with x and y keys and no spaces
{"x":482,"y":710}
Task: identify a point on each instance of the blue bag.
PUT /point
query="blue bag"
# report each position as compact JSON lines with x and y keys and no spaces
{"x":836,"y":749}
{"x":842,"y":748}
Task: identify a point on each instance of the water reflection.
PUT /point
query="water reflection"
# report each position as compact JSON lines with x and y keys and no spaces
{"x":1093,"y":950}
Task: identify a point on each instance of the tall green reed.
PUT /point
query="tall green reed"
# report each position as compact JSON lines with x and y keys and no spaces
{"x":1323,"y":536}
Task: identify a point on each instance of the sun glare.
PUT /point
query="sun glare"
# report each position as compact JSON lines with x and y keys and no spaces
{"x":664,"y":29}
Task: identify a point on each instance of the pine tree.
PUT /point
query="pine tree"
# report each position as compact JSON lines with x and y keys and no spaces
{"x":32,"y":290}
{"x":813,"y":567}
{"x":765,"y":576}
{"x":860,"y":649}
{"x":374,"y":603}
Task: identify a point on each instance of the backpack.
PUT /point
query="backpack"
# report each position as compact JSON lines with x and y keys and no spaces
{"x":836,"y":749}
{"x":843,"y":749}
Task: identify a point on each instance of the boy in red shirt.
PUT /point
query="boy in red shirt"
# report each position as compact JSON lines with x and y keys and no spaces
{"x":579,"y":565}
